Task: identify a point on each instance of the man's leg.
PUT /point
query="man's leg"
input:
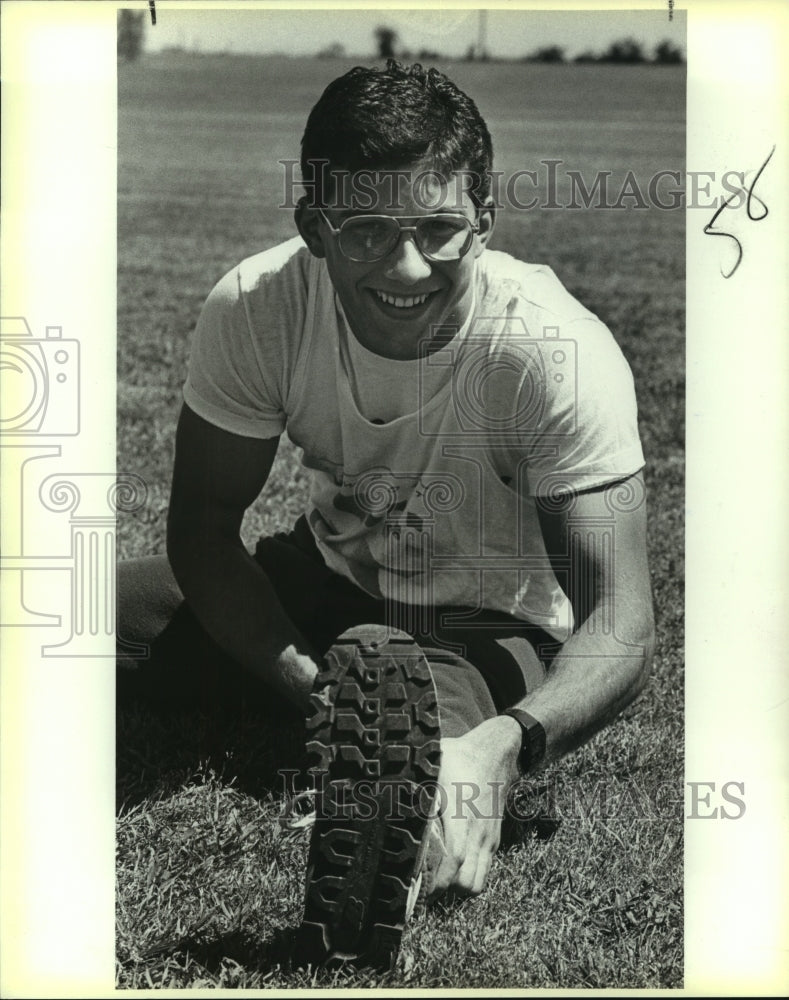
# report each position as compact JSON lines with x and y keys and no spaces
{"x":177,"y":658}
{"x":482,"y":665}
{"x":148,"y":598}
{"x":373,"y":682}
{"x":396,"y":704}
{"x":179,"y":663}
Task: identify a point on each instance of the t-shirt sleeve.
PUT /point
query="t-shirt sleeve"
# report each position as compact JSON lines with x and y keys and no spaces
{"x":587,"y":431}
{"x":238,"y":370}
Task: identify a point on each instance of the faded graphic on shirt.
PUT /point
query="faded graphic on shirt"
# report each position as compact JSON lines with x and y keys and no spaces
{"x":385,"y":520}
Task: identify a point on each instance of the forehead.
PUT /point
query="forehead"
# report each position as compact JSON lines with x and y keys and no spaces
{"x":402,"y":190}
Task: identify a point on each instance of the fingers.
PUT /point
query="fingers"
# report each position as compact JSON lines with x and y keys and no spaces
{"x":467,"y":882}
{"x":466,"y":865}
{"x":467,"y":879}
{"x":451,"y":863}
{"x":473,"y":874}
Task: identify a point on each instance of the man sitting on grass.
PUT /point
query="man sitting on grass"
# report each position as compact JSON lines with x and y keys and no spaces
{"x":467,"y":596}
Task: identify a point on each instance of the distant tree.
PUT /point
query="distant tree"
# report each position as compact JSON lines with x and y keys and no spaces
{"x":626,"y":50}
{"x":547,"y":54}
{"x":334,"y":51}
{"x":428,"y":55}
{"x":667,"y":54}
{"x":131,"y":25}
{"x":386,"y":39}
{"x":470,"y":54}
{"x":586,"y":57}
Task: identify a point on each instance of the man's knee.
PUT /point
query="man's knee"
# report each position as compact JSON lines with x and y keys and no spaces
{"x":148,"y":598}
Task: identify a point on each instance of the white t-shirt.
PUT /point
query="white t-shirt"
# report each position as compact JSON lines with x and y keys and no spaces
{"x":424,"y":471}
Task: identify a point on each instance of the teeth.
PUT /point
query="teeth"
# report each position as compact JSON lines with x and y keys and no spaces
{"x":399,"y":301}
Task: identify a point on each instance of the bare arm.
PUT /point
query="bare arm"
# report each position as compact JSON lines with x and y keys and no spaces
{"x":216,"y":476}
{"x":605,"y":662}
{"x":599,"y":670}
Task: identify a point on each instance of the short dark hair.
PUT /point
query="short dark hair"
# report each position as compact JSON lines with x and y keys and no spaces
{"x":370,"y":119}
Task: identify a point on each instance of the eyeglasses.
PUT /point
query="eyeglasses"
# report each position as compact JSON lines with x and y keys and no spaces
{"x":367,"y":238}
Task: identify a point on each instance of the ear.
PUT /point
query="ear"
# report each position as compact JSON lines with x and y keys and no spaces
{"x":486,"y":221}
{"x":308,"y":223}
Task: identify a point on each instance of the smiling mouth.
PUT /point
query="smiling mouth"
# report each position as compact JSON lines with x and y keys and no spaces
{"x":402,"y":301}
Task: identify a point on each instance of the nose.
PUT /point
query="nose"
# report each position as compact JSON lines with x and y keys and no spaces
{"x":405,"y":264}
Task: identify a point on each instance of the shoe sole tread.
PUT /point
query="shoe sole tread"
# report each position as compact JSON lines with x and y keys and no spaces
{"x":373,"y":719}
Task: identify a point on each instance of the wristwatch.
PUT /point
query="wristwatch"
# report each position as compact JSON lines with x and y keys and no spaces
{"x":532,"y":739}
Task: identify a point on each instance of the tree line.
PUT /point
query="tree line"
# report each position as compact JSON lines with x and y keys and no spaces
{"x":625,"y":51}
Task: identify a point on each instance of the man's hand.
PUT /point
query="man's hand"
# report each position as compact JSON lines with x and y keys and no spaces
{"x":476,"y":771}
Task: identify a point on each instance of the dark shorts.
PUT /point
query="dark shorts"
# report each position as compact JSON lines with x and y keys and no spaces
{"x":482,"y":661}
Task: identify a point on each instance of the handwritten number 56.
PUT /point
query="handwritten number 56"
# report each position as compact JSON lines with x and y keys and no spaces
{"x":752,"y":198}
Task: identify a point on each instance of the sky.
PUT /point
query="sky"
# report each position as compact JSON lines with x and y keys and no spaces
{"x":509,"y":33}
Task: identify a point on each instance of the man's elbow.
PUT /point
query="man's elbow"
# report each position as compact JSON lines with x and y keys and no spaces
{"x":641,"y":661}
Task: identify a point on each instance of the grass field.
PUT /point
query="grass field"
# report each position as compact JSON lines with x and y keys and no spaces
{"x":590,"y":895}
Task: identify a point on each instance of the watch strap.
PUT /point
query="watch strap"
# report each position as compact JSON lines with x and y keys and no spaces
{"x":532,"y":739}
